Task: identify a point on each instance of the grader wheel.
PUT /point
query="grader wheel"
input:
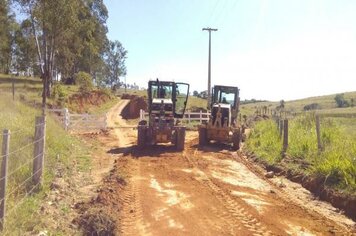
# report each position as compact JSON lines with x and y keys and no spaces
{"x":203,"y":140}
{"x":141,"y":136}
{"x":236,"y":139}
{"x":180,"y":138}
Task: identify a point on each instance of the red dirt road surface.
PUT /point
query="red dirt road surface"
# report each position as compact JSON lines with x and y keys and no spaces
{"x":208,"y":191}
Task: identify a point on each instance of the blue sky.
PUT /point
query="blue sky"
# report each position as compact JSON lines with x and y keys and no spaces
{"x":270,"y":49}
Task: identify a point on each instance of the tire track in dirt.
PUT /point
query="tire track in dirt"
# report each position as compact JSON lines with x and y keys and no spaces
{"x":131,"y":219}
{"x":234,"y":209}
{"x":291,"y":199}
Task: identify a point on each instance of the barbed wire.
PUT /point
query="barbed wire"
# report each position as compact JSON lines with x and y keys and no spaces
{"x":19,"y":203}
{"x":22,"y":184}
{"x":23,"y":147}
{"x":19,"y":167}
{"x":21,"y":130}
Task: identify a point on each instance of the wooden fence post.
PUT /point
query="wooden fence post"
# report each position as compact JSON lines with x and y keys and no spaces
{"x":3,"y":180}
{"x":285,"y":136}
{"x":13,"y":90}
{"x":317,"y":121}
{"x":39,"y":149}
{"x":66,"y":118}
{"x":280,"y":127}
{"x":200,"y":116}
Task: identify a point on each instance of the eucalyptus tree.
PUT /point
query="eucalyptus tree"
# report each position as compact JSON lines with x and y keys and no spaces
{"x":7,"y":23}
{"x":115,"y":60}
{"x":50,"y":20}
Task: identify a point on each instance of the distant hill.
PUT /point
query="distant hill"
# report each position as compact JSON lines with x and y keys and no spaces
{"x":323,"y":104}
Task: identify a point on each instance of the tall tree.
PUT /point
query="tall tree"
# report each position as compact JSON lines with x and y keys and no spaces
{"x":50,"y":19}
{"x":25,"y":47}
{"x":83,"y":48}
{"x":7,"y":22}
{"x":115,"y":61}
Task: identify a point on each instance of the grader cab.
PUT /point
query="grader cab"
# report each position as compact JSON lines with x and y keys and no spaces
{"x":166,"y":105}
{"x":223,"y":125}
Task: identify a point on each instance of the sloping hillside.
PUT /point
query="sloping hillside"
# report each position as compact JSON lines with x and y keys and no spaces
{"x":326,"y":104}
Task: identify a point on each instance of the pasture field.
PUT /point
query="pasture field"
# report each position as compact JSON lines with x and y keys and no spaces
{"x":336,"y":163}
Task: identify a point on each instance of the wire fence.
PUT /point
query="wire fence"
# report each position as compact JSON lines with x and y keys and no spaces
{"x":21,"y":168}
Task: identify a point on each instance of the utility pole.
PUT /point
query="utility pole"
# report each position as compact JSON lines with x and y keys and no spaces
{"x":209,"y":65}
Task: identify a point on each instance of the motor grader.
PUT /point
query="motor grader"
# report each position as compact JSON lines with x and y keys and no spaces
{"x":223,"y":125}
{"x":166,"y":105}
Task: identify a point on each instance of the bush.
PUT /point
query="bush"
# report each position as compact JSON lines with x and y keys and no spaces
{"x":58,"y":92}
{"x":107,"y":92}
{"x":84,"y":81}
{"x":312,"y":106}
{"x":340,"y":101}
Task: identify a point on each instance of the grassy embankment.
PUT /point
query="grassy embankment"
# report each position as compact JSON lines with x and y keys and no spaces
{"x":29,"y":90}
{"x":336,"y":162}
{"x":64,"y":153}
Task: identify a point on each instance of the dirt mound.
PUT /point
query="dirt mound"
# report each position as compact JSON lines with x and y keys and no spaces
{"x":98,"y":216}
{"x":132,"y":110}
{"x":81,"y":102}
{"x":98,"y":223}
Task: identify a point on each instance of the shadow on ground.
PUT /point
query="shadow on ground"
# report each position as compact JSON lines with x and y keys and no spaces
{"x":149,"y":151}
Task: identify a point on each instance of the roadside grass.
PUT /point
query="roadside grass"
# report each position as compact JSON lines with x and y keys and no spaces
{"x":195,"y":103}
{"x":336,"y":163}
{"x":64,"y":155}
{"x":264,"y":140}
{"x":29,"y":90}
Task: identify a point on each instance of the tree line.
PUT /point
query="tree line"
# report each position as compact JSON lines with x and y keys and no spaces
{"x":66,"y":36}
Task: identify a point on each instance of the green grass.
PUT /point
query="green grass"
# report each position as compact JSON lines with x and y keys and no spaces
{"x":264,"y":140}
{"x":195,"y":103}
{"x":327,"y":104}
{"x":29,"y":90}
{"x":336,"y":162}
{"x":62,"y":152}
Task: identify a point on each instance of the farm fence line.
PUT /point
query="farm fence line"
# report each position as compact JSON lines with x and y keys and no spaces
{"x":283,"y":117}
{"x":80,"y":122}
{"x":188,"y":117}
{"x":21,"y":169}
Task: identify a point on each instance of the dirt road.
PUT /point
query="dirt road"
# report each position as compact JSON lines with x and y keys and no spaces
{"x":209,"y":191}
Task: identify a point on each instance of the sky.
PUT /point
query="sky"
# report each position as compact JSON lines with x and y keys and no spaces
{"x":270,"y":49}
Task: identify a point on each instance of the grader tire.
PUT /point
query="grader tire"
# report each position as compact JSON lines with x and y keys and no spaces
{"x":141,"y":136}
{"x":203,"y":140}
{"x":236,"y":140}
{"x":180,"y":139}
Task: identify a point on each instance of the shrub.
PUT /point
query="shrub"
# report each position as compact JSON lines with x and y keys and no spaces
{"x":58,"y":92}
{"x":340,"y":101}
{"x":312,"y":106}
{"x":84,"y":81}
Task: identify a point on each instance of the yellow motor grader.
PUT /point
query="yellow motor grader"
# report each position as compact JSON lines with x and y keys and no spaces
{"x":166,"y":105}
{"x":223,"y":125}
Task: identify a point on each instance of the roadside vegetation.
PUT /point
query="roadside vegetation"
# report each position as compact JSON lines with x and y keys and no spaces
{"x":78,"y":98}
{"x":64,"y":156}
{"x":336,"y":163}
